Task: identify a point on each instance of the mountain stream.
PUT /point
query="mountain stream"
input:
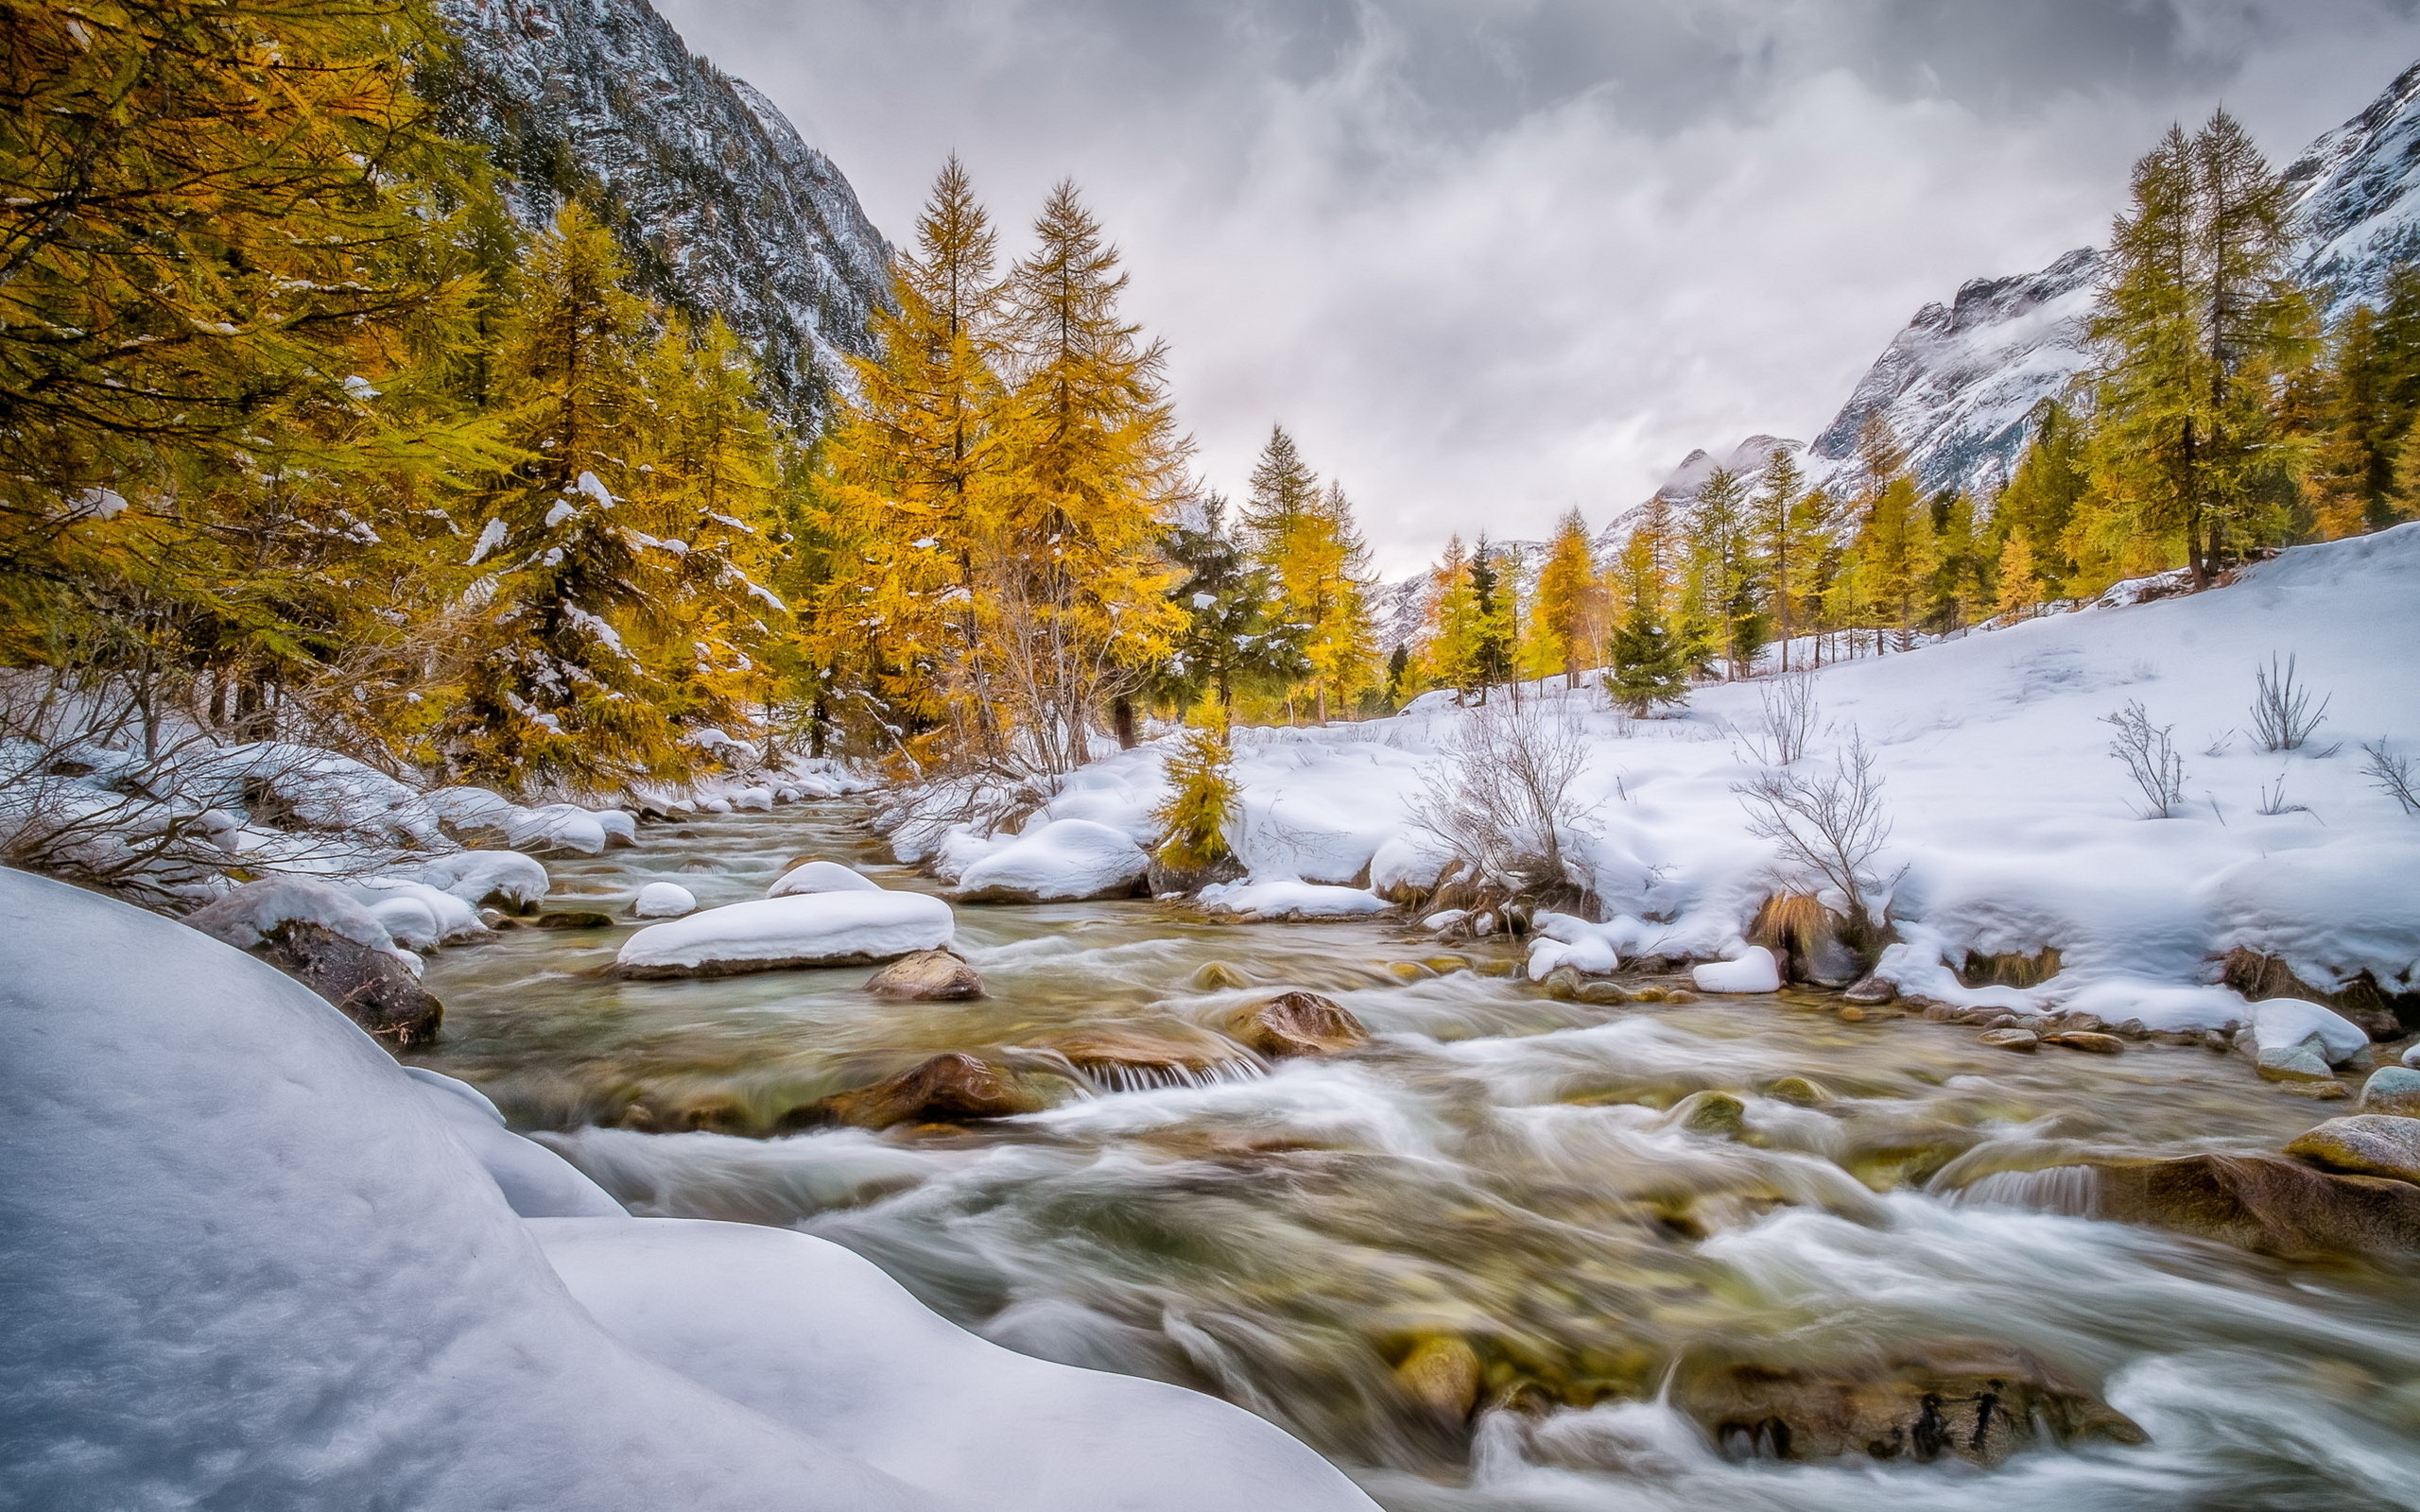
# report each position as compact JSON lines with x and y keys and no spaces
{"x":1504,"y":1200}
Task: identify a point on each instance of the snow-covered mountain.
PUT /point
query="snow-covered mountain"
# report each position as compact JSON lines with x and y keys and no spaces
{"x":715,"y":200}
{"x":1960,"y":384}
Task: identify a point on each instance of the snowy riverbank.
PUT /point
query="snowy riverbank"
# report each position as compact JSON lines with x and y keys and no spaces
{"x":2012,"y":829}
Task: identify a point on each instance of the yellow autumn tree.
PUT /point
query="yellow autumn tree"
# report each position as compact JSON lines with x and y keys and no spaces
{"x":1071,"y":592}
{"x":1567,"y":611}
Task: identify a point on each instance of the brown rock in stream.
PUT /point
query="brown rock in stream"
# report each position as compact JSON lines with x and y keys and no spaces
{"x":2088,"y":1040}
{"x":1965,"y":1398}
{"x":1297,"y":1024}
{"x":945,"y":1088}
{"x":373,"y":987}
{"x":2365,"y":1144}
{"x":925,"y":976}
{"x":1443,"y":1375}
{"x":2266,"y":1203}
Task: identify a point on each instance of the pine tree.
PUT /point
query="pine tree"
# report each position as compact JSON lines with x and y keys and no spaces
{"x":1496,"y":620}
{"x":1648,"y":665}
{"x":2197,"y":321}
{"x":1785,"y":533}
{"x":2019,"y":589}
{"x":1727,"y":572}
{"x":2044,"y":493}
{"x":1230,"y":639}
{"x":1898,"y":557}
{"x":1456,"y":643}
{"x":1331,"y":588}
{"x":1569,"y":603}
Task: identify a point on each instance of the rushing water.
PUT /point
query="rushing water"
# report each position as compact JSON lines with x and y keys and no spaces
{"x":1497,"y":1167}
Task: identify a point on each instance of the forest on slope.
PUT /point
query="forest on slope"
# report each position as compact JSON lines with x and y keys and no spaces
{"x":316,"y":431}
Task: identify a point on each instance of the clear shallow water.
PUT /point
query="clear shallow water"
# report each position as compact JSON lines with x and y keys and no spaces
{"x":1497,"y":1166}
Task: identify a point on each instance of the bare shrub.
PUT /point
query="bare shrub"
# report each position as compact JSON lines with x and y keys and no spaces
{"x":1829,"y":824}
{"x":2396,"y":776}
{"x":2151,"y":759}
{"x":2282,"y":718}
{"x":1790,"y":717}
{"x":2274,"y":801}
{"x":1505,"y":808}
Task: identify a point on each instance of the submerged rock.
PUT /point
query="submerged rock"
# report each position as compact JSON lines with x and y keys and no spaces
{"x":945,"y":1088}
{"x":2266,"y":1203}
{"x":1710,"y":1112}
{"x":1801,"y":1090}
{"x":574,"y":919}
{"x":375,"y":988}
{"x":1960,"y":1399}
{"x":1872,"y":989}
{"x":925,"y":976}
{"x":1297,"y":1024}
{"x":1217,"y":976}
{"x":1126,"y":1059}
{"x":2365,"y":1144}
{"x":1443,"y":1375}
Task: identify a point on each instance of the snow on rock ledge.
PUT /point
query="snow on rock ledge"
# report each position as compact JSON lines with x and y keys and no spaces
{"x":1063,"y":861}
{"x":770,"y":934}
{"x":250,"y":1264}
{"x":1288,"y":899}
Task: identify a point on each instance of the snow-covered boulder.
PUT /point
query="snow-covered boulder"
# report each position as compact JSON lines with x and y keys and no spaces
{"x":464,"y":812}
{"x":1063,"y":860}
{"x":620,"y":828}
{"x":821,"y":876}
{"x":813,"y":929}
{"x":664,"y":900}
{"x":257,"y":910}
{"x":2282,"y":1023}
{"x":417,"y":916}
{"x":505,"y":878}
{"x":1754,"y":971}
{"x":1286,"y":898}
{"x":556,"y":827}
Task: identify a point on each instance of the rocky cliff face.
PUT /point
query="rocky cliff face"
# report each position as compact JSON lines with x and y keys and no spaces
{"x":719,"y":205}
{"x":2355,"y":213}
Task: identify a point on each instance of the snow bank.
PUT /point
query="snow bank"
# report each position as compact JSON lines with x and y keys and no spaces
{"x":818,"y":1339}
{"x":2281,"y":1024}
{"x":813,"y":929}
{"x":1290,"y":900}
{"x":417,"y":916}
{"x":821,"y":876}
{"x":2013,"y":827}
{"x":664,"y":900}
{"x":504,"y":877}
{"x":1063,"y":859}
{"x":254,"y":1263}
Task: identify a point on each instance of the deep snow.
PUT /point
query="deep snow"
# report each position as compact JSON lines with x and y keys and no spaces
{"x":246,"y":1260}
{"x":2013,"y":826}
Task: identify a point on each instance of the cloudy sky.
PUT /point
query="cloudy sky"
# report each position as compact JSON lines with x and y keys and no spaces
{"x":1489,"y":259}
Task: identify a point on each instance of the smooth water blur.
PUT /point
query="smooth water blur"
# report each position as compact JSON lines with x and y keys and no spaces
{"x":1500,"y":1167}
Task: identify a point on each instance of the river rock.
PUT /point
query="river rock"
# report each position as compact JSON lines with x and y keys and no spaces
{"x":1967,"y":1400}
{"x":373,"y":987}
{"x":1164,"y":879}
{"x":1872,"y":989}
{"x":574,"y":919}
{"x":925,"y":976}
{"x":2010,"y":1039}
{"x":1443,"y":1375}
{"x":1562,"y":984}
{"x":2266,"y":1203}
{"x":1802,"y":1091}
{"x":1710,"y":1112}
{"x":2090,"y":1042}
{"x":1217,"y":976}
{"x":2303,"y":1062}
{"x":2360,"y":1000}
{"x":2365,"y":1144}
{"x":1126,"y":1059}
{"x":664,"y":900}
{"x":802,"y":930}
{"x":812,"y":876}
{"x":2393,"y":1090}
{"x":1297,"y":1024}
{"x":947,"y":1088}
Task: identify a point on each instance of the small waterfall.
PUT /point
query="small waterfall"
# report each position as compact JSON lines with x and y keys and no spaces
{"x":2068,"y":1191}
{"x":1128,"y":1076}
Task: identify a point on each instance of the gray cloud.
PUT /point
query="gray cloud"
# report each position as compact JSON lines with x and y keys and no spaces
{"x":1491,"y":258}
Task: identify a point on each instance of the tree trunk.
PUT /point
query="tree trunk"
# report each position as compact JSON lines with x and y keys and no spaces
{"x":1121,"y":718}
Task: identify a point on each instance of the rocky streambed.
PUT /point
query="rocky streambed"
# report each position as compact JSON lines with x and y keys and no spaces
{"x":1493,"y":1244}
